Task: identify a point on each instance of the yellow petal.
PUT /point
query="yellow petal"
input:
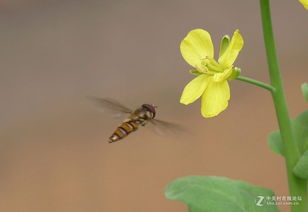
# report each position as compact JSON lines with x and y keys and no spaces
{"x":304,"y":3}
{"x":195,"y":46}
{"x":218,"y":77}
{"x":229,"y":56}
{"x":194,"y":89}
{"x":215,"y":98}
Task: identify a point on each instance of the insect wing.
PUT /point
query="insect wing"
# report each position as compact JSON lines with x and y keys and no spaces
{"x":111,"y":106}
{"x":164,"y":127}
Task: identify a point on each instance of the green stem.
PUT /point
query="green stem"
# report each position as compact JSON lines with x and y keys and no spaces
{"x":297,"y":186}
{"x":256,"y":82}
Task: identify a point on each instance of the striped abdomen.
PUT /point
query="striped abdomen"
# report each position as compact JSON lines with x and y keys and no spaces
{"x":124,"y":130}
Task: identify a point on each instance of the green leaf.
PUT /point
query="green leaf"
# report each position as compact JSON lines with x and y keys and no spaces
{"x":300,"y":129}
{"x":301,"y":168}
{"x":305,"y":90}
{"x":218,"y":194}
{"x":194,"y":209}
{"x":225,"y":41}
{"x":275,"y":143}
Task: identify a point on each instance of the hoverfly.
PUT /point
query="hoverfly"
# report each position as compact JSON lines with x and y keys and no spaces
{"x":135,"y":118}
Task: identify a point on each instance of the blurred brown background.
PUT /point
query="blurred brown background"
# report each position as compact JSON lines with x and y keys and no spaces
{"x":53,"y":150}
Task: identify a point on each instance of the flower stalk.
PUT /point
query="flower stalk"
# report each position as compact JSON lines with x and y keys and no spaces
{"x":297,"y":186}
{"x":256,"y":82}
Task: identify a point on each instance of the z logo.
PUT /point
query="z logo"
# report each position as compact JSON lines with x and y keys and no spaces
{"x":259,"y":200}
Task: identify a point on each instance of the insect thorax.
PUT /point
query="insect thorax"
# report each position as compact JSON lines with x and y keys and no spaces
{"x":141,"y":115}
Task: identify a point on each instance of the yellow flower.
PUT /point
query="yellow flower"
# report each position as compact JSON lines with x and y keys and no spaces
{"x":211,"y":76}
{"x":304,"y":3}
